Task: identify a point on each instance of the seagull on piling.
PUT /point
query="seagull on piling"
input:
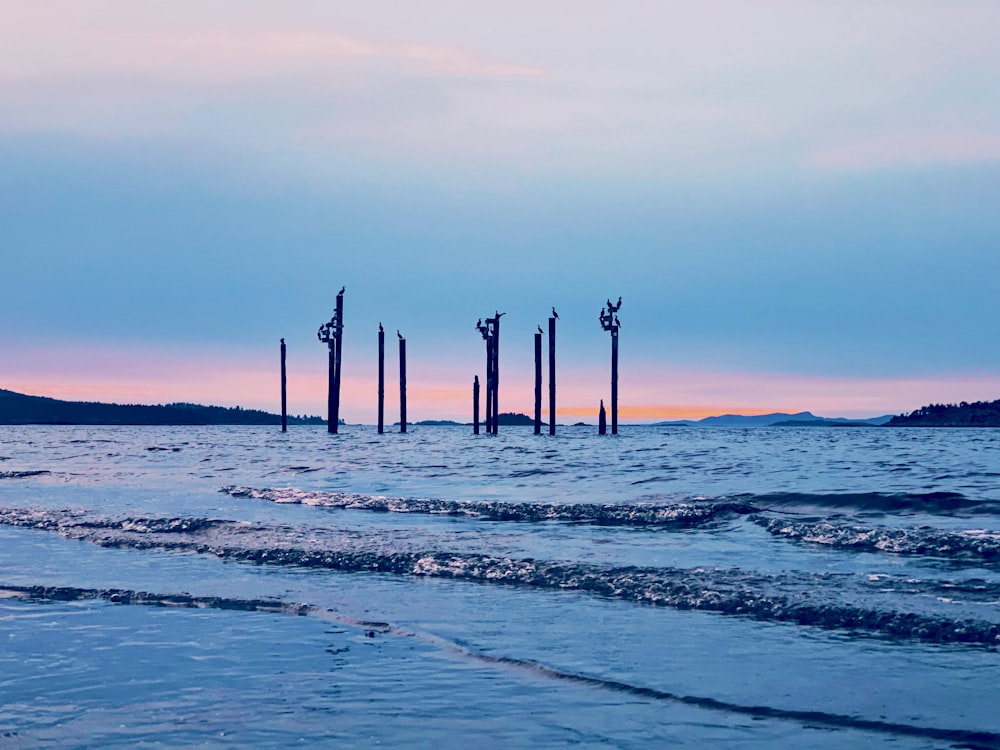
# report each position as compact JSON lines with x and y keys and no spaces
{"x":555,"y":314}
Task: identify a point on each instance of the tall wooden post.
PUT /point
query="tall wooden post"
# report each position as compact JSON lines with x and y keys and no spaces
{"x":284,"y":391}
{"x":496,"y":373}
{"x":538,"y":382}
{"x":381,"y":379}
{"x":614,"y":380}
{"x":335,"y":416}
{"x":489,"y":384}
{"x":610,"y":323}
{"x":402,"y":384}
{"x":552,"y":375}
{"x":602,"y":420}
{"x":331,"y":407}
{"x":475,"y":406}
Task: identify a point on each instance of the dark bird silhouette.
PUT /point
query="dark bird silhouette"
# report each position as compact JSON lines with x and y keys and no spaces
{"x":540,"y":329}
{"x":399,"y":335}
{"x":555,"y":314}
{"x":610,"y":306}
{"x":283,"y":341}
{"x":619,"y":302}
{"x":618,"y":323}
{"x":342,"y":290}
{"x":380,"y":329}
{"x":479,"y":323}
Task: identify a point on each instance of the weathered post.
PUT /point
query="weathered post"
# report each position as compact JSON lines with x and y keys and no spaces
{"x":402,"y":383}
{"x":381,"y":379}
{"x":327,"y":335}
{"x":496,"y":372}
{"x":475,"y":406}
{"x":552,"y":372}
{"x":602,"y":420}
{"x":614,"y":380}
{"x":610,"y":322}
{"x":486,"y":329}
{"x":339,"y":317}
{"x":284,"y":391}
{"x":538,"y":381}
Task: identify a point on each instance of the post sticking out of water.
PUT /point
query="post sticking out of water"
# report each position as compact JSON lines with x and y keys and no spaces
{"x":496,"y":372}
{"x":475,"y":406}
{"x":602,"y":420}
{"x":610,"y":322}
{"x":332,"y":335}
{"x":402,"y":383}
{"x":538,"y":382}
{"x":381,"y":379}
{"x":552,"y":373}
{"x":284,"y":391}
{"x":335,"y":419}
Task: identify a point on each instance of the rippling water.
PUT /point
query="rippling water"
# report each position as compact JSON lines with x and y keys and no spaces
{"x":742,"y":587}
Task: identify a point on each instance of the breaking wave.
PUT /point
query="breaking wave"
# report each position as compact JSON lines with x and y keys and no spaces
{"x":782,"y":598}
{"x":976,"y":545}
{"x":935,"y":503}
{"x":691,"y":513}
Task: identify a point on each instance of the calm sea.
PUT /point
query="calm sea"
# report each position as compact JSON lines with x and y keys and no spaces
{"x":233,"y":587}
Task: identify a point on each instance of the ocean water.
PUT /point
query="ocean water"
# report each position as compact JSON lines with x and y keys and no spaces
{"x":218,"y":586}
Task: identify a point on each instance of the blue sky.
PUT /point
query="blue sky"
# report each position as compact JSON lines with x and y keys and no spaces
{"x":797,"y":200}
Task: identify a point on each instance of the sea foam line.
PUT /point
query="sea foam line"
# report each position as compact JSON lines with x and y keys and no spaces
{"x":725,"y":591}
{"x":605,"y":514}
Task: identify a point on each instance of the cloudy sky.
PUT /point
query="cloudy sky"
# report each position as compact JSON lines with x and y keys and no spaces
{"x":798,"y":201}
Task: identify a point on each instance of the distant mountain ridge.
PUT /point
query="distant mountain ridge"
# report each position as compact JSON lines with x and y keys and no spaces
{"x":19,"y":408}
{"x":777,"y":419}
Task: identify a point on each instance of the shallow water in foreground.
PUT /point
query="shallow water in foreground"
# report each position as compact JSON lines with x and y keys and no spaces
{"x":743,"y":588}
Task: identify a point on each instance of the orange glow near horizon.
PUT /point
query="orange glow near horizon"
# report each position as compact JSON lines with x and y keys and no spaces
{"x":669,"y":411}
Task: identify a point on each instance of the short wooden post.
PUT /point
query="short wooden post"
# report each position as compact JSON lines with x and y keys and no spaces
{"x":552,"y":375}
{"x":475,"y":406}
{"x":331,"y":407}
{"x":284,"y":391}
{"x":602,"y":420}
{"x":381,"y":379}
{"x":402,"y":384}
{"x":538,"y":382}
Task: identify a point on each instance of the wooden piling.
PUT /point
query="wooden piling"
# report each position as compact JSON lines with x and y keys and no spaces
{"x":402,"y":384}
{"x":381,"y":379}
{"x":475,"y":406}
{"x":339,"y":335}
{"x":538,"y":383}
{"x":331,"y":409}
{"x":614,"y":380}
{"x":552,"y":375}
{"x":489,"y":384}
{"x":284,"y":391}
{"x":602,"y":420}
{"x":496,"y":374}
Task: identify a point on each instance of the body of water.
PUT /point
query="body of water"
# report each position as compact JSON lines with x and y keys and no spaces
{"x":222,"y":586}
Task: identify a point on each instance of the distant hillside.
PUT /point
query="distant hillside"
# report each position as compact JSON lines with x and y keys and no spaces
{"x":979,"y":414}
{"x":801,"y":419}
{"x":18,"y":408}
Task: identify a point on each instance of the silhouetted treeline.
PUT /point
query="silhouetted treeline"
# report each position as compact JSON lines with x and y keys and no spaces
{"x":964,"y":414}
{"x":18,"y":408}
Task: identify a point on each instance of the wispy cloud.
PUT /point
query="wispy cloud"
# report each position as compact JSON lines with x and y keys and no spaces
{"x":907,"y":148}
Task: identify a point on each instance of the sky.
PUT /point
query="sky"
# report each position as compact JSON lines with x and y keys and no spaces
{"x":797,"y":201}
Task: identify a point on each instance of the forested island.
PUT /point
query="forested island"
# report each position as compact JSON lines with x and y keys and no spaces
{"x":19,"y":408}
{"x":964,"y":414}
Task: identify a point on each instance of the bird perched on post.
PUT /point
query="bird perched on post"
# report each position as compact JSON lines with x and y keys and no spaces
{"x":619,"y":303}
{"x":380,"y":329}
{"x":618,"y":323}
{"x":342,"y":290}
{"x":540,"y":329}
{"x":479,"y":323}
{"x":399,"y":335}
{"x":555,"y":314}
